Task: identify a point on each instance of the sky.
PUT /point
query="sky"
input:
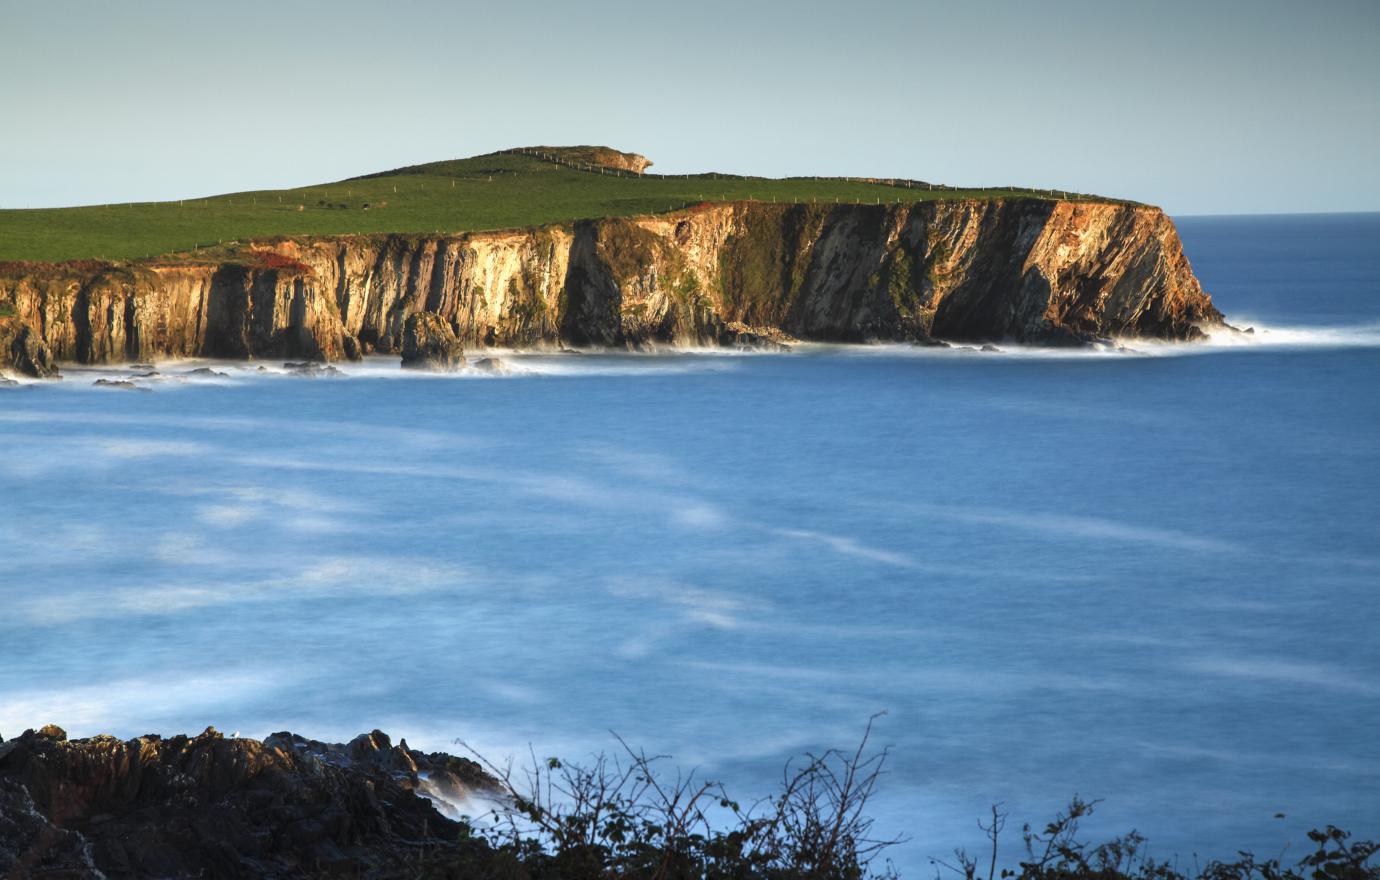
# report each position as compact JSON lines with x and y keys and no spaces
{"x":1199,"y":107}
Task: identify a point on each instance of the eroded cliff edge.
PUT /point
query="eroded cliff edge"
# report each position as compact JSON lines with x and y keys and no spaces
{"x":1028,"y":270}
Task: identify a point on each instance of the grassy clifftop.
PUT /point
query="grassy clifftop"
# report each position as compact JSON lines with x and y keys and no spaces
{"x":497,"y":191}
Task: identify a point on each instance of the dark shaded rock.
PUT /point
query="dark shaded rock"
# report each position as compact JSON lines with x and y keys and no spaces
{"x":311,"y":369}
{"x":122,"y":384}
{"x":31,"y":357}
{"x":351,"y":347}
{"x":429,"y":343}
{"x":497,"y":366}
{"x":31,"y":846}
{"x":208,"y":806}
{"x":990,"y":347}
{"x":206,"y":373}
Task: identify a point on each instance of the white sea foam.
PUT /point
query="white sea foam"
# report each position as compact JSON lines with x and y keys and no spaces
{"x":175,"y":374}
{"x":848,"y":546}
{"x":714,"y":608}
{"x":1263,"y":337}
{"x":317,"y":579}
{"x":1069,"y":526}
{"x":1274,"y":670}
{"x":140,"y":704}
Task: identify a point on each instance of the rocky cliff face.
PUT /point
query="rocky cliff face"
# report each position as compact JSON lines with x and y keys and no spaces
{"x":1027,"y":270}
{"x":212,"y":806}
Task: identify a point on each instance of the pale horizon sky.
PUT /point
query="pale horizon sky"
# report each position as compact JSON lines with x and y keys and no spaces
{"x":1201,"y":108}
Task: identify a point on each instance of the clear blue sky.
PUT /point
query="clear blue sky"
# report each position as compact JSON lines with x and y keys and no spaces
{"x":1201,"y":107}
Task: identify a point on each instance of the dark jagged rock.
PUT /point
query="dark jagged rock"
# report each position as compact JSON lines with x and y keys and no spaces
{"x":211,"y":806}
{"x":30,"y":356}
{"x":429,"y":343}
{"x":351,"y":349}
{"x":32,"y":846}
{"x":312,"y":369}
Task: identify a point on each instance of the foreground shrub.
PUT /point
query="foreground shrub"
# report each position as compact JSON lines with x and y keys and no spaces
{"x":620,"y":818}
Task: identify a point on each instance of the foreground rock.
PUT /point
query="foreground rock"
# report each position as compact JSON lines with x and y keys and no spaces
{"x":211,"y":806}
{"x":1026,"y":269}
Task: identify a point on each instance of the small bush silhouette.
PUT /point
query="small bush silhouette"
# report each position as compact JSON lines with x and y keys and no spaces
{"x":620,"y":817}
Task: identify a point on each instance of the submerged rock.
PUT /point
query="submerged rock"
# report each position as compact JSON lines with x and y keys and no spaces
{"x":122,"y":384}
{"x":206,"y":373}
{"x":429,"y":343}
{"x":311,"y":369}
{"x":211,"y":806}
{"x":494,"y":365}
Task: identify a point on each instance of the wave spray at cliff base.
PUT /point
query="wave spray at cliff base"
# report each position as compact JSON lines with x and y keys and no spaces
{"x":179,"y":374}
{"x":1265,"y":336}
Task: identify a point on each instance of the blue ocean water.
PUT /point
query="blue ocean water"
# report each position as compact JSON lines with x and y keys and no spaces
{"x":1147,"y":577}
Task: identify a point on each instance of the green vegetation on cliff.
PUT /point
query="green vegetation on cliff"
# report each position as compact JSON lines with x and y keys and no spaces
{"x":497,"y":191}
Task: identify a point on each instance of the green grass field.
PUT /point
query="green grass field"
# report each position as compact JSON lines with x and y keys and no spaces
{"x":497,"y":191}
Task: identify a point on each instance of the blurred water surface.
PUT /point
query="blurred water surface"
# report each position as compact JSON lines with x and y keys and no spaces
{"x":1144,"y":577}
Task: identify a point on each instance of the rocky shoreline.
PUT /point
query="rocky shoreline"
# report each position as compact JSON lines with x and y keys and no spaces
{"x":1032,"y":271}
{"x":217,"y":806}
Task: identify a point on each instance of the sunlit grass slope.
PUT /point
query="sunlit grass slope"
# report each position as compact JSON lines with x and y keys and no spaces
{"x":497,"y":191}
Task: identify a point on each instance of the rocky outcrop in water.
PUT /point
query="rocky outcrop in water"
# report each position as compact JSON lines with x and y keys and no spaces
{"x":429,"y":343}
{"x":29,"y":355}
{"x":212,"y":806}
{"x":1027,"y":270}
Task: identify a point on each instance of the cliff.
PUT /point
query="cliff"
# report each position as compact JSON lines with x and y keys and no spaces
{"x":1027,"y":270}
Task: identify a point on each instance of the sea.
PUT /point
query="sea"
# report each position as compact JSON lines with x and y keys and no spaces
{"x":1148,"y":577}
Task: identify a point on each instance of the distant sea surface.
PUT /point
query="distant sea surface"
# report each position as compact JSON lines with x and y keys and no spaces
{"x":1148,"y":577}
